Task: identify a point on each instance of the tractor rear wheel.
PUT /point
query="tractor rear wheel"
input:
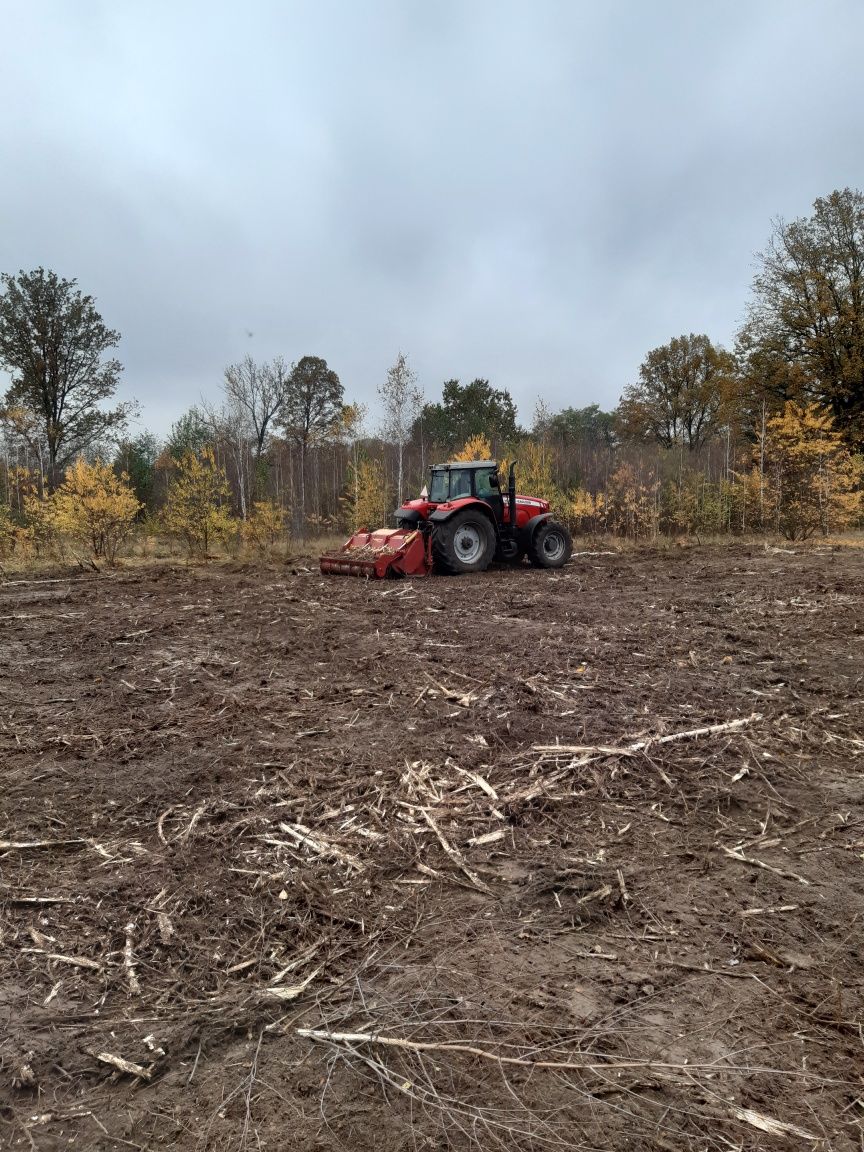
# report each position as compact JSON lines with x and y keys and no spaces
{"x":551,"y":546}
{"x":464,"y":543}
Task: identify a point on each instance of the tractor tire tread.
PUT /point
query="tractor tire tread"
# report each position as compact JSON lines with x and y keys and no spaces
{"x":536,"y":554}
{"x":443,"y":551}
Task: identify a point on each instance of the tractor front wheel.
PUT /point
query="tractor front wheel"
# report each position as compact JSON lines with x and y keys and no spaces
{"x":464,"y":543}
{"x":551,"y":546}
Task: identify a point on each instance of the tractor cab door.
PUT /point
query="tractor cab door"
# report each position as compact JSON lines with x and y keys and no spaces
{"x":486,"y":488}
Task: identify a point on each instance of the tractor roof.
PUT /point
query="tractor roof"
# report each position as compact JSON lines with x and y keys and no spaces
{"x":467,"y":464}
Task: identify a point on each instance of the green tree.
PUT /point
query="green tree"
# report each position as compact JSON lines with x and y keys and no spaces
{"x":55,"y":345}
{"x":804,"y":336}
{"x":310,"y":411}
{"x":191,"y":433}
{"x":136,"y":459}
{"x":589,"y":425}
{"x":681,"y":395}
{"x":467,"y":410}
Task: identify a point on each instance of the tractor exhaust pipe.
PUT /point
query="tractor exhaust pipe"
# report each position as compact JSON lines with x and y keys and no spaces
{"x":511,"y":498}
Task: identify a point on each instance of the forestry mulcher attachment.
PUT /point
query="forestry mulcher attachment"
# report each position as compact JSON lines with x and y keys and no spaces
{"x":462,"y":523}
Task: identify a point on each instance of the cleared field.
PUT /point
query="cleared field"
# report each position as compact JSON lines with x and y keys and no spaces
{"x":314,"y":863}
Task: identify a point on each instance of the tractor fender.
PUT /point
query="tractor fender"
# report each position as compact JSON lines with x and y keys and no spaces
{"x":445,"y":511}
{"x":406,"y":516}
{"x":526,"y":533}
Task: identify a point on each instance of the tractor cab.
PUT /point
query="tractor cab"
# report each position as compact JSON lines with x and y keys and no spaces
{"x":456,"y":481}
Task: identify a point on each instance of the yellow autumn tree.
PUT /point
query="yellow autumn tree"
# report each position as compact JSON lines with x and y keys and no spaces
{"x":196,"y":510}
{"x":475,"y":448}
{"x":32,"y":528}
{"x":584,"y":512}
{"x":631,"y":503}
{"x":813,"y":483}
{"x":263,"y":527}
{"x":93,"y":508}
{"x":534,"y":474}
{"x":365,"y":500}
{"x":7,"y":532}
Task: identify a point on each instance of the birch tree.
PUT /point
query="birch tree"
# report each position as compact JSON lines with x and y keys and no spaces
{"x":401,"y":400}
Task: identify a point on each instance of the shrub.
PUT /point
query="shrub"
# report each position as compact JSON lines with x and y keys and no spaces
{"x":93,"y":507}
{"x":264,"y":527}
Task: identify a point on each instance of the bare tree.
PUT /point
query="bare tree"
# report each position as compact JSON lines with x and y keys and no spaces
{"x":231,"y":427}
{"x":258,"y":390}
{"x":401,"y":400}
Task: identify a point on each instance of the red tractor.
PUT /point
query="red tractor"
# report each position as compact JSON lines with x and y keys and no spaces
{"x":462,"y":523}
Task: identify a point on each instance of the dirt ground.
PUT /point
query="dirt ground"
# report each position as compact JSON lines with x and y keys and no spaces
{"x":304,"y":862}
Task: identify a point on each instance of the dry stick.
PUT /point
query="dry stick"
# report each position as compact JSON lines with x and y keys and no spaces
{"x":454,"y":855}
{"x":540,"y":788}
{"x":166,"y":928}
{"x":37,"y":899}
{"x":742,"y":859}
{"x":195,"y":1065}
{"x":317,"y":843}
{"x":769,"y":1124}
{"x":128,"y":961}
{"x":292,"y":992}
{"x":765,"y":911}
{"x":253,"y":1069}
{"x":196,"y":816}
{"x":435,"y":875}
{"x":477,"y":779}
{"x":520,"y":1061}
{"x":663,"y":776}
{"x":160,"y":824}
{"x":597,"y":894}
{"x":22,"y":845}
{"x":591,"y":752}
{"x":77,"y":961}
{"x":641,"y":745}
{"x":625,"y":895}
{"x":123,"y":1065}
{"x":295,"y":963}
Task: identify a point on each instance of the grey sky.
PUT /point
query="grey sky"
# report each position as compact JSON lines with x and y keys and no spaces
{"x":535,"y":192}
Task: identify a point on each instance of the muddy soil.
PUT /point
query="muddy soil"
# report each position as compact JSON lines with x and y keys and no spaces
{"x":523,"y":860}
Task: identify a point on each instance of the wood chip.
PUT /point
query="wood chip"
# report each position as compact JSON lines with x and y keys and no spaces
{"x":123,"y":1065}
{"x":487,"y":838}
{"x":292,"y":991}
{"x":770,"y":1125}
{"x":597,"y":894}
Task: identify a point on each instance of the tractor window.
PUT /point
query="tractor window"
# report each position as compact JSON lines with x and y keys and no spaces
{"x":460,"y":483}
{"x":485,"y":489}
{"x":438,"y":487}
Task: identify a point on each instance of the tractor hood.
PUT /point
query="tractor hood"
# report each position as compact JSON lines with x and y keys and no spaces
{"x":424,"y":506}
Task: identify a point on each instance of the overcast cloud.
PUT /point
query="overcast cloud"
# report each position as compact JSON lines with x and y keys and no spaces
{"x":534,"y":192}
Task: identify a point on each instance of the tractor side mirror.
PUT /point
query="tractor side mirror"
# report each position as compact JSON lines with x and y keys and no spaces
{"x":494,"y":481}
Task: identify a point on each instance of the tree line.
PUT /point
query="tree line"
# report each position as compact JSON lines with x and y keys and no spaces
{"x":765,"y":436}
